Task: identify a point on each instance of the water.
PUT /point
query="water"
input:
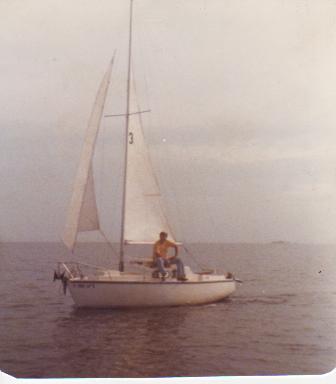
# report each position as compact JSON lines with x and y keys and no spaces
{"x":280,"y":321}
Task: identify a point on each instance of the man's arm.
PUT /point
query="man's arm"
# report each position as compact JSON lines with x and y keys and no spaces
{"x":155,"y":252}
{"x":172,"y":245}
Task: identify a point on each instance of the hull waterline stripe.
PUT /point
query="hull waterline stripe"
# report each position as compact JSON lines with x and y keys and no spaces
{"x":148,"y":282}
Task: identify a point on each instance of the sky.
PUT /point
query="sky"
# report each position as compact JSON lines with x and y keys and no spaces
{"x":242,"y":124}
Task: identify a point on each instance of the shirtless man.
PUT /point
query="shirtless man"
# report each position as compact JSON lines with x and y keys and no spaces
{"x":161,"y":258}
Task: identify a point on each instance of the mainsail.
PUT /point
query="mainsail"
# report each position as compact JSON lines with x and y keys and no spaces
{"x":83,"y":215}
{"x":144,"y":215}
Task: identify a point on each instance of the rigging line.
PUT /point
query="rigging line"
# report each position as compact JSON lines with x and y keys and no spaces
{"x":106,"y":239}
{"x":149,"y":163}
{"x":142,"y":54}
{"x":108,"y":242}
{"x":102,"y":184}
{"x":200,"y":265}
{"x":173,"y":193}
{"x":143,"y":35}
{"x":163,"y":212}
{"x":102,"y":165}
{"x":180,"y":221}
{"x":130,"y":114}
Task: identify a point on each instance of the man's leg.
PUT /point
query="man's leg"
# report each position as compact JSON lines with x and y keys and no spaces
{"x":160,"y":265}
{"x":179,"y":266}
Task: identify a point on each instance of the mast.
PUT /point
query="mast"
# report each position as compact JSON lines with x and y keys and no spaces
{"x":122,"y":239}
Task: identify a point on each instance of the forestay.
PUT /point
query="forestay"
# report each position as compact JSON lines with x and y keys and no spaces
{"x":82,"y":214}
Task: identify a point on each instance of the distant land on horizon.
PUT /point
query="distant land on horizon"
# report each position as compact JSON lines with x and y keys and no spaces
{"x":275,"y":242}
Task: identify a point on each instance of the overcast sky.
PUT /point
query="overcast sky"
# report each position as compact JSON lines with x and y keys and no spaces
{"x":242,"y":92}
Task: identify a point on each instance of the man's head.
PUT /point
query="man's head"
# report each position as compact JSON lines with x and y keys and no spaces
{"x":163,"y":236}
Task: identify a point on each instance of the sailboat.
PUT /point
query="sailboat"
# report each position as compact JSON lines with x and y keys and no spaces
{"x":142,"y":218}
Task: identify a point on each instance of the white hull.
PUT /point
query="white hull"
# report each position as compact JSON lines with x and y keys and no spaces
{"x":128,"y":291}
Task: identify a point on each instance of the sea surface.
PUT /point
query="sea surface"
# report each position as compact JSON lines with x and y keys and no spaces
{"x":281,"y":320}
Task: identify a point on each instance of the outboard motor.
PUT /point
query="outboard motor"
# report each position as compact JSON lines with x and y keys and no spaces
{"x":61,"y":276}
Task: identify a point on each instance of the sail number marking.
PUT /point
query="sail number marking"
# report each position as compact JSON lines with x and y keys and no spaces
{"x":131,"y":138}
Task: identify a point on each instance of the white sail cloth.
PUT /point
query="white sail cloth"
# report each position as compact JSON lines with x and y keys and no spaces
{"x":144,"y":215}
{"x":83,"y":214}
